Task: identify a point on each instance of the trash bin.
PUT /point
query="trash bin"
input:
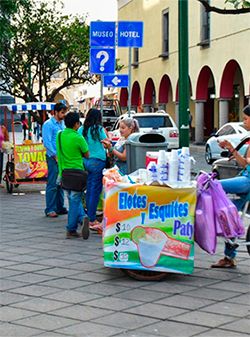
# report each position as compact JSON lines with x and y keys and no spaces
{"x":138,"y":144}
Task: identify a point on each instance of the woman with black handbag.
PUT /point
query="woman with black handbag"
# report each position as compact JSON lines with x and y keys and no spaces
{"x":94,"y":134}
{"x":71,"y":148}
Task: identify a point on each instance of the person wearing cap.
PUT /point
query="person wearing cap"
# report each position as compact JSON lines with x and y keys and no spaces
{"x":54,"y":192}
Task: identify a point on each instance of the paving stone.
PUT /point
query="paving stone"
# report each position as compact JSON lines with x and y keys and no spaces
{"x":9,"y":314}
{"x":6,"y":284}
{"x":30,"y":278}
{"x":65,"y":284}
{"x":220,"y":333}
{"x":125,"y":320}
{"x":71,"y":296}
{"x":142,"y":295}
{"x":230,"y":286}
{"x":81,"y":312}
{"x":27,"y":267}
{"x":34,"y":290}
{"x":212,"y":294}
{"x":241,"y":325}
{"x":89,"y":329}
{"x":102,"y":289}
{"x":241,"y":299}
{"x":186,"y":302}
{"x":155,"y":311}
{"x":92,"y":276}
{"x":56,"y":271}
{"x":7,"y":298}
{"x":113,"y":303}
{"x":9,"y":329}
{"x":47,"y":322}
{"x":226,"y":308}
{"x":40,"y":305}
{"x":205,"y":319}
{"x":171,"y":289}
{"x":172,"y":329}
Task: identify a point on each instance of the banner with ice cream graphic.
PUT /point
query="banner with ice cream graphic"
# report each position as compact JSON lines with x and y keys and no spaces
{"x":30,"y":161}
{"x":149,"y":228}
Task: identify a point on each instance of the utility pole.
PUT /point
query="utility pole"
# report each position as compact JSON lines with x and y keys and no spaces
{"x":184,"y":93}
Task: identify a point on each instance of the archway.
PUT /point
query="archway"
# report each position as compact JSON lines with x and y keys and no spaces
{"x":165,"y":90}
{"x":124,"y":98}
{"x":231,"y":89}
{"x":205,"y":95}
{"x":136,"y":97}
{"x":149,"y":96}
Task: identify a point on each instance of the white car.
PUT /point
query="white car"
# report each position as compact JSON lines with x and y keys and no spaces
{"x":160,"y":122}
{"x":234,"y":132}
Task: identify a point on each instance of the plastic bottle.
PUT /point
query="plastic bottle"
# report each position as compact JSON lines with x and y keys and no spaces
{"x":152,"y":171}
{"x":173,"y":166}
{"x":162,"y":167}
{"x":184,"y":172}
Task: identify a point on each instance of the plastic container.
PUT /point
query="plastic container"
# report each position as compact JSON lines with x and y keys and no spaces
{"x":173,"y":167}
{"x":162,"y":167}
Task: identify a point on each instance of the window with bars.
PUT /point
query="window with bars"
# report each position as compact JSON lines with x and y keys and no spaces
{"x":135,"y":62}
{"x":165,"y":33}
{"x":205,"y":27}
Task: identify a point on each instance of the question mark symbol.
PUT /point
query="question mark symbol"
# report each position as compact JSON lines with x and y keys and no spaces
{"x":104,"y":60}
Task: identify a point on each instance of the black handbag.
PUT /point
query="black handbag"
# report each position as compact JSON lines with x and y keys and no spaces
{"x":73,"y":179}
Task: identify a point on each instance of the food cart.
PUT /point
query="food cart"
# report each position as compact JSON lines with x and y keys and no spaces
{"x":26,"y":162}
{"x":149,"y":230}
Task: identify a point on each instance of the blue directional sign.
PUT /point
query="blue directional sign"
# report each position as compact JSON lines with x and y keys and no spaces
{"x":130,"y":34}
{"x":102,"y":60}
{"x":102,"y":34}
{"x":116,"y":81}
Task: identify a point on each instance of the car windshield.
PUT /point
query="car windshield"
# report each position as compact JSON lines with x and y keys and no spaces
{"x":154,"y":122}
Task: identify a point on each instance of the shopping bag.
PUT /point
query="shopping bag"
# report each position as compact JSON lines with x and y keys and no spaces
{"x":204,"y":226}
{"x":227,"y":220}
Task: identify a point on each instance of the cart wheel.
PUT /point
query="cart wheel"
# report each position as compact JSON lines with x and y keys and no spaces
{"x":248,"y":239}
{"x":145,"y":275}
{"x":9,"y":176}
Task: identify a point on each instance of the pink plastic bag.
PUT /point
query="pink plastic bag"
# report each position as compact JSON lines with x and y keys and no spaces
{"x":204,"y":226}
{"x":1,"y":137}
{"x":227,"y":220}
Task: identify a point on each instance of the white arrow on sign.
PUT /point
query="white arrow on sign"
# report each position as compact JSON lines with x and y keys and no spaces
{"x":116,"y":80}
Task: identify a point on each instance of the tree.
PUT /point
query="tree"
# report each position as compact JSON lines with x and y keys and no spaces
{"x":240,"y":7}
{"x":44,"y":43}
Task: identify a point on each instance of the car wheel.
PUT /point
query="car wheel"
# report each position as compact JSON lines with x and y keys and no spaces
{"x":208,"y":155}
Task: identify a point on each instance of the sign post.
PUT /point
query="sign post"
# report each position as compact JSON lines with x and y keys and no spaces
{"x":130,"y":34}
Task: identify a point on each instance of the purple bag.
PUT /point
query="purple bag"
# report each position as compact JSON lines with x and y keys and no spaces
{"x":204,"y":226}
{"x":227,"y":220}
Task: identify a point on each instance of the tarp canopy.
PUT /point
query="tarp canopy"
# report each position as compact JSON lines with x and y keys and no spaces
{"x":25,"y":107}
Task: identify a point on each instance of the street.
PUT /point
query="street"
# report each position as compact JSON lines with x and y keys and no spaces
{"x":56,"y":287}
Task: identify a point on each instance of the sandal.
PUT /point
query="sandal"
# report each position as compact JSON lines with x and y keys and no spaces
{"x":52,"y":215}
{"x":224,"y":263}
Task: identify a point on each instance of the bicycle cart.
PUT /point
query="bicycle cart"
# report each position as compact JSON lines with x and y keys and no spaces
{"x":26,"y":163}
{"x":148,"y":230}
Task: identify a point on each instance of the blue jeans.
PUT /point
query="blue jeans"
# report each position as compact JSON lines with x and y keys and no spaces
{"x":239,"y":185}
{"x":54,"y":192}
{"x":76,"y":212}
{"x":94,"y":185}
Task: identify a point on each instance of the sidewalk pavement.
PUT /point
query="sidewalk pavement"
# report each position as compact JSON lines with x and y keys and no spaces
{"x":56,"y":287}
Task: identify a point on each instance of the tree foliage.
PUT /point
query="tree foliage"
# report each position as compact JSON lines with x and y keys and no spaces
{"x":239,"y":7}
{"x":43,"y":44}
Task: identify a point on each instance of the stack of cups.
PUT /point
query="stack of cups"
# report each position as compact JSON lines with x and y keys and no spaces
{"x":173,"y":167}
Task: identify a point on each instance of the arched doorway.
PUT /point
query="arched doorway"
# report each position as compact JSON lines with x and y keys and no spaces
{"x":231,"y":90}
{"x":149,"y":96}
{"x":124,"y":99}
{"x":136,"y":97}
{"x":165,"y":90}
{"x":205,"y":95}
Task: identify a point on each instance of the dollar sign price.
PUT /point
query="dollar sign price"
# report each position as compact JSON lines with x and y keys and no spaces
{"x":118,"y":227}
{"x":117,"y":241}
{"x":115,"y":255}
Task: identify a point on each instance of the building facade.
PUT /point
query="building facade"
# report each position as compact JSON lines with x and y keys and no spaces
{"x":219,"y":62}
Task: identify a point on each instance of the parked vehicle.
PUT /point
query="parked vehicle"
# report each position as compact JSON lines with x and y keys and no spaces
{"x":111,"y":111}
{"x":233,"y":132}
{"x":159,"y":121}
{"x":228,"y":167}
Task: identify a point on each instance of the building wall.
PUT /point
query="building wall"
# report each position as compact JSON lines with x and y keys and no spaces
{"x":228,"y":42}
